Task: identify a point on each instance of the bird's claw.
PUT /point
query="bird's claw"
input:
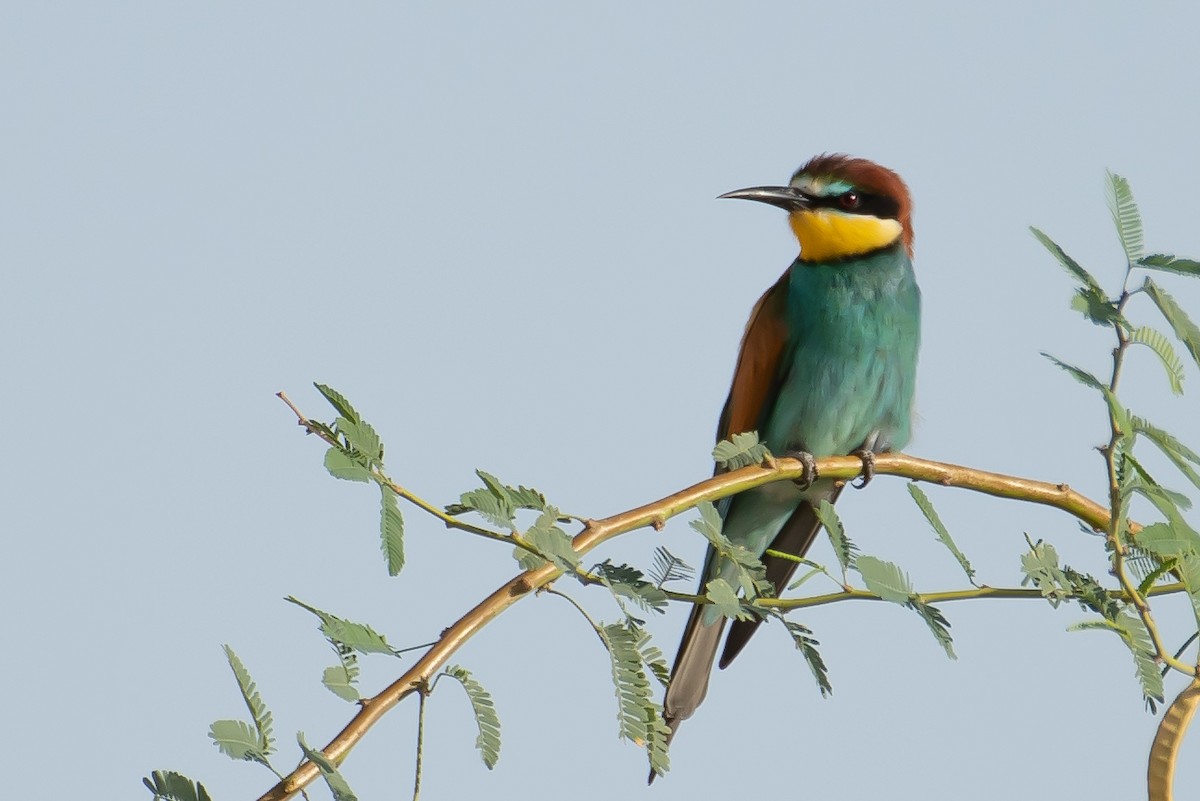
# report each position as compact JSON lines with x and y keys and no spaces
{"x":868,"y":468}
{"x":810,"y":468}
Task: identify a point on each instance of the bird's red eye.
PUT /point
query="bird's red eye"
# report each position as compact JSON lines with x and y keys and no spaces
{"x":850,"y":201}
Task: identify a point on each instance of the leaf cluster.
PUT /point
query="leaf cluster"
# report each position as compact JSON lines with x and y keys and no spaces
{"x":497,"y":502}
{"x":356,"y":454}
{"x":628,"y":583}
{"x":744,"y":569}
{"x":740,"y":450}
{"x":1040,"y":566}
{"x":487,"y":742}
{"x":634,"y":660}
{"x":167,"y":785}
{"x":238,"y":739}
{"x":888,"y":581}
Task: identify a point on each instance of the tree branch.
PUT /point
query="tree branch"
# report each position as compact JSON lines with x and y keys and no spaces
{"x":597,"y":532}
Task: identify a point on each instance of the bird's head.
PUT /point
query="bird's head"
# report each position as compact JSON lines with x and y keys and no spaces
{"x":841,"y":207}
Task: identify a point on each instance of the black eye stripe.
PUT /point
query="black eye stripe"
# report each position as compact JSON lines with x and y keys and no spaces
{"x":868,"y":204}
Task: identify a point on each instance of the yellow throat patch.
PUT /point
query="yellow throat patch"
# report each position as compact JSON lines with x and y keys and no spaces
{"x":829,"y":235}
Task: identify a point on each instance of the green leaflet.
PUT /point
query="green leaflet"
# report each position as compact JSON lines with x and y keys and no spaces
{"x":344,"y":466}
{"x":652,"y":658}
{"x":497,"y":501}
{"x":550,"y":541}
{"x":1163,"y":539}
{"x":1040,"y":565}
{"x":338,"y":402}
{"x":638,"y":717}
{"x":937,"y":623}
{"x":725,"y":598}
{"x":496,"y":511}
{"x":358,"y":636}
{"x":340,"y":678}
{"x":258,"y":710}
{"x":1080,"y":375}
{"x":1166,"y":501}
{"x":167,"y":785}
{"x":238,"y":739}
{"x":1115,"y":408}
{"x":806,"y":644}
{"x":1169,"y":264}
{"x":750,"y":573}
{"x":1160,"y":569}
{"x":359,"y":449}
{"x":668,"y":567}
{"x":891,"y":583}
{"x":391,"y":530}
{"x":1073,"y":267}
{"x":740,"y":450}
{"x":1137,"y":639}
{"x":1096,"y":307}
{"x":517,"y":497}
{"x":657,"y":731}
{"x":361,"y":439}
{"x":1185,"y":330}
{"x":1138,"y":480}
{"x":1179,"y":454}
{"x":1189,"y":571}
{"x":1091,"y":594}
{"x":487,"y":742}
{"x":624,"y":581}
{"x":926,"y":507}
{"x":358,"y":456}
{"x":1126,"y":217}
{"x":340,"y":681}
{"x":845,"y":550}
{"x":709,"y":523}
{"x":1161,"y":346}
{"x":885,"y":579}
{"x":329,"y":772}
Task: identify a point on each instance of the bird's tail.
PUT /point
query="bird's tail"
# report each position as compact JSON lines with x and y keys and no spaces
{"x":693,"y":667}
{"x":796,"y":537}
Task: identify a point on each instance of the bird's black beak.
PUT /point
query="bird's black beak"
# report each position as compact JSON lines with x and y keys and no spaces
{"x":788,"y":198}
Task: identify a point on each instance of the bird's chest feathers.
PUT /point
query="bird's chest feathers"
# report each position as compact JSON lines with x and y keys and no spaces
{"x":828,"y":235}
{"x":851,"y":355}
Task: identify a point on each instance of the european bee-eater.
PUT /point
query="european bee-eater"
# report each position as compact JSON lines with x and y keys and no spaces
{"x":827,"y":367}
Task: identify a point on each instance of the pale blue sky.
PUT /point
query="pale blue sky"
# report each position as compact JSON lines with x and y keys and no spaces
{"x":494,"y":229}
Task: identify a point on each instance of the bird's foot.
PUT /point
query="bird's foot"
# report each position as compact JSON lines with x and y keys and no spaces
{"x":810,"y":468}
{"x":868,"y":468}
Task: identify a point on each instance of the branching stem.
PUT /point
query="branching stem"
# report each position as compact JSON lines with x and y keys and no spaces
{"x":450,"y":520}
{"x":597,"y":532}
{"x":1116,"y":521}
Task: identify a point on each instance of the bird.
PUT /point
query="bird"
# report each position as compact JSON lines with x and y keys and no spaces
{"x":827,"y":367}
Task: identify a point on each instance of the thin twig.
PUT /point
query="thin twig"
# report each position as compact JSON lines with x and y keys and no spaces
{"x":422,"y":697}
